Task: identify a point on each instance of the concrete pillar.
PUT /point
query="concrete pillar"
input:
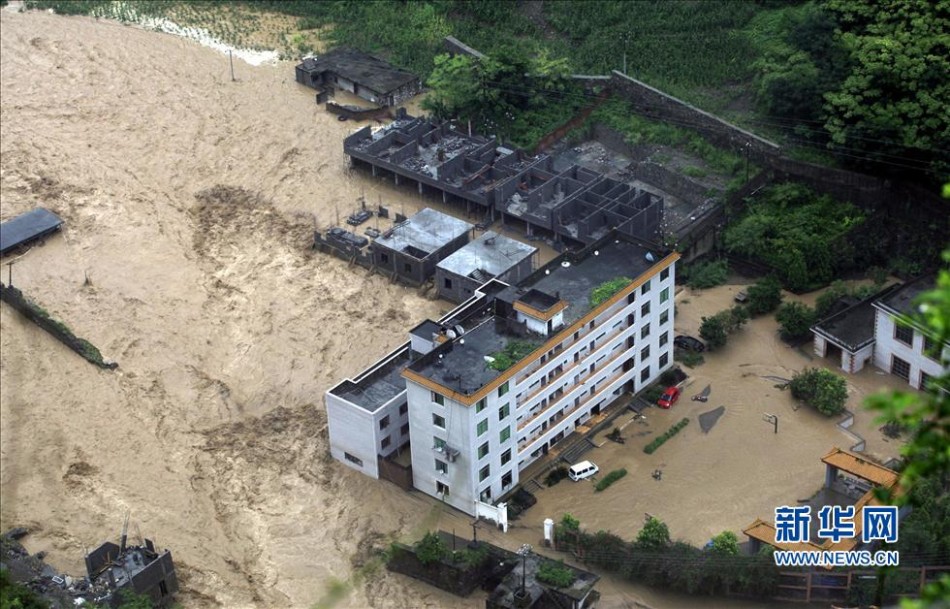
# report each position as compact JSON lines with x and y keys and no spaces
{"x":445,"y":197}
{"x":374,"y":170}
{"x":420,"y":187}
{"x":396,"y":178}
{"x":831,"y":474}
{"x":528,"y":226}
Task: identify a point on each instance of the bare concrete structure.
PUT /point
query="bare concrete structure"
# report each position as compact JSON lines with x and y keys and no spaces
{"x":411,"y":250}
{"x":490,"y":256}
{"x":139,"y":569}
{"x":575,"y":205}
{"x":362,"y":74}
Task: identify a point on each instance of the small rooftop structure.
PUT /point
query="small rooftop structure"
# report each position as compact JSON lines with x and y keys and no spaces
{"x":30,"y":226}
{"x":852,"y":327}
{"x":362,"y":74}
{"x":410,"y":250}
{"x":490,"y":256}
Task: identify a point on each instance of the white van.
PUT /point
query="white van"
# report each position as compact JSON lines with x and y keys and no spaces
{"x":584,"y":469}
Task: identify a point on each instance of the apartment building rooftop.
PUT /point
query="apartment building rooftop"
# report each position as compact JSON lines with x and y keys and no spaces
{"x":901,"y":301}
{"x":424,"y":233}
{"x":379,"y":385}
{"x":491,"y":254}
{"x":564,"y":284}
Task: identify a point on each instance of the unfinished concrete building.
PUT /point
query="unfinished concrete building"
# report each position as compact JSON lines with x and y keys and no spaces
{"x":362,"y":74}
{"x":488,"y":257}
{"x":411,"y":250}
{"x":141,"y":569}
{"x":574,"y":206}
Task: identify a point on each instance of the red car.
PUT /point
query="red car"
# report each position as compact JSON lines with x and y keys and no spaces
{"x":669,"y":397}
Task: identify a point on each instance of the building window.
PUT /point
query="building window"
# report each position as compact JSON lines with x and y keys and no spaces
{"x":644,"y":353}
{"x":664,"y":295}
{"x":404,"y":430}
{"x":645,"y":331}
{"x":645,"y":309}
{"x":664,"y":317}
{"x":664,"y":359}
{"x":904,"y":333}
{"x":438,"y":442}
{"x":353,"y":459}
{"x":386,"y":442}
{"x":924,"y":380}
{"x":441,"y":489}
{"x":664,"y":274}
{"x":931,"y":350}
{"x":900,"y":368}
{"x":505,"y":434}
{"x":664,"y":338}
{"x":407,"y":267}
{"x":448,"y":283}
{"x":506,"y":457}
{"x":384,"y":258}
{"x":480,"y":405}
{"x":631,"y":297}
{"x":482,"y":427}
{"x":441,"y":466}
{"x":438,"y":398}
{"x":438,"y":421}
{"x":483,"y":450}
{"x":404,"y":408}
{"x":506,"y":480}
{"x":484,"y":473}
{"x":503,"y":389}
{"x":503,"y":412}
{"x":645,"y":374}
{"x":645,"y":288}
{"x":384,"y":422}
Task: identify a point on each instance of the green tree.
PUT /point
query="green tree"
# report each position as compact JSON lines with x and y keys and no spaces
{"x":764,"y":296}
{"x":431,"y":549}
{"x":795,"y":320}
{"x":654,"y":534}
{"x":726,"y":543}
{"x":822,"y":389}
{"x":14,"y":595}
{"x":713,"y":331}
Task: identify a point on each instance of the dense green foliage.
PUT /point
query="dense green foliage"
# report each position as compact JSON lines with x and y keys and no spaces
{"x":654,"y":560}
{"x":764,"y":295}
{"x":555,"y":574}
{"x":867,"y":80}
{"x":822,"y":389}
{"x":472,"y":558}
{"x":801,"y":235}
{"x":660,"y":440}
{"x":431,"y":548}
{"x":607,"y":289}
{"x":609,"y":479}
{"x":654,"y":534}
{"x":725,"y":543}
{"x":555,"y":475}
{"x":514,"y":352}
{"x":795,"y":320}
{"x":690,"y":359}
{"x":715,"y":330}
{"x":709,"y":274}
{"x":838,"y":290}
{"x":14,"y":595}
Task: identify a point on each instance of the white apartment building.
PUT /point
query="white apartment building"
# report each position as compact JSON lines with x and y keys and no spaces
{"x":474,"y":428}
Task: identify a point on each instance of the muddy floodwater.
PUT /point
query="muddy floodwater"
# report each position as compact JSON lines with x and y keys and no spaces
{"x":190,"y":202}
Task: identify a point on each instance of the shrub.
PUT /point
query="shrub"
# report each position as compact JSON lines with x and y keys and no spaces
{"x":555,"y":475}
{"x":659,"y":440}
{"x":725,"y":543}
{"x":570,"y":523}
{"x":689,"y":359}
{"x":556,"y":574}
{"x":708,"y":274}
{"x":716,"y":329}
{"x":609,"y":479}
{"x":820,"y":388}
{"x":764,"y":296}
{"x":514,"y":352}
{"x":795,"y":320}
{"x":654,"y":534}
{"x":652,"y":394}
{"x":431,"y":549}
{"x":471,"y":558}
{"x":607,"y":289}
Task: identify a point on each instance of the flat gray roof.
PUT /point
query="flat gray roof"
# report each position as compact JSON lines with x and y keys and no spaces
{"x":427,"y":231}
{"x":378,"y":387}
{"x":26,"y":227}
{"x":491,"y":253}
{"x":902,"y":300}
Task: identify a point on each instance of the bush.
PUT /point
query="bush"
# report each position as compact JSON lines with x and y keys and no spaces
{"x":795,"y":320}
{"x":659,"y":440}
{"x":609,"y":479}
{"x":652,"y":393}
{"x":820,"y":388}
{"x":654,"y":534}
{"x":708,"y":274}
{"x":716,"y":329}
{"x":514,"y":352}
{"x":555,"y":574}
{"x":764,"y":296}
{"x":725,"y":543}
{"x":555,"y":475}
{"x":689,"y":359}
{"x":607,"y":289}
{"x":431,"y":549}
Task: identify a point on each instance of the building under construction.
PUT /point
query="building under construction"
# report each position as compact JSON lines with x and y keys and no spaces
{"x":573,"y":206}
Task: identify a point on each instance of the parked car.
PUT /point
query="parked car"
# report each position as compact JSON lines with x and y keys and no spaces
{"x":346,"y":237}
{"x":669,"y":397}
{"x":584,"y":469}
{"x":689,"y":343}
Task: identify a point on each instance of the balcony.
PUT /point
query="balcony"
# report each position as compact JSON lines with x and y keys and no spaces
{"x":449,"y":453}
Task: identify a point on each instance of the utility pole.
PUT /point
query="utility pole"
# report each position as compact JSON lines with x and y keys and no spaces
{"x":10,"y":273}
{"x":231,"y":61}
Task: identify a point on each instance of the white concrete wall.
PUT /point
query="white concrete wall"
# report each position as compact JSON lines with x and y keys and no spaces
{"x":887,"y":347}
{"x":352,"y":430}
{"x":862,"y":357}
